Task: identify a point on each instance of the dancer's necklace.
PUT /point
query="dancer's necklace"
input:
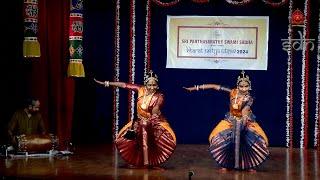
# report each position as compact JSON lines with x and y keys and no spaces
{"x":146,"y":100}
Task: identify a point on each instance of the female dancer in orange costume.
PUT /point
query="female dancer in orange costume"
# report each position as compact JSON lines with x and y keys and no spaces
{"x":154,"y":139}
{"x":237,"y":142}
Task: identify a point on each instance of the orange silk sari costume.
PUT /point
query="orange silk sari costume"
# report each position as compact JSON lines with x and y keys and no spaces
{"x":155,"y":140}
{"x":235,"y":144}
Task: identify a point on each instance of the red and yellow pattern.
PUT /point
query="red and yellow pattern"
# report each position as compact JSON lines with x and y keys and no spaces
{"x":75,"y":67}
{"x":155,"y":141}
{"x":31,"y":45}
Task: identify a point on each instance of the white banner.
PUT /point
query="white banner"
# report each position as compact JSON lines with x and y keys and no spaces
{"x":217,"y":42}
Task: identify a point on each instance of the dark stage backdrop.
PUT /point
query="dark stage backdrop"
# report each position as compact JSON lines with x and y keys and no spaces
{"x":191,"y":115}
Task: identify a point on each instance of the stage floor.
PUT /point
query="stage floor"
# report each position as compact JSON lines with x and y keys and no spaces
{"x":100,"y":162}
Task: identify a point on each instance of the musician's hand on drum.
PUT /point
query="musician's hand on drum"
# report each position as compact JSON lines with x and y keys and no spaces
{"x":35,"y":143}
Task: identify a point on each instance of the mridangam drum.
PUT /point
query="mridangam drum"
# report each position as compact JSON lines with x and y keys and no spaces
{"x":36,"y":142}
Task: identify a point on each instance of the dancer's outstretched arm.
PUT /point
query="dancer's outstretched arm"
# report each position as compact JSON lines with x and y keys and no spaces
{"x":207,"y":86}
{"x":109,"y":83}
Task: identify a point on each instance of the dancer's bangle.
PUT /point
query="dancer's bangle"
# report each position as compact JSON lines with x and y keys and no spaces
{"x":106,"y":83}
{"x":222,"y":88}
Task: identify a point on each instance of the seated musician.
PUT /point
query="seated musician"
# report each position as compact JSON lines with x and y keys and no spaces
{"x":26,"y":121}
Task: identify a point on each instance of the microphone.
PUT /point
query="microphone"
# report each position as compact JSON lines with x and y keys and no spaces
{"x":190,"y":173}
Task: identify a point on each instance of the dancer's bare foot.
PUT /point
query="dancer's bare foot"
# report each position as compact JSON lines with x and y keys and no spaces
{"x":137,"y":167}
{"x":223,"y":169}
{"x":144,"y":167}
{"x":157,"y":168}
{"x":252,"y":170}
{"x":131,"y":166}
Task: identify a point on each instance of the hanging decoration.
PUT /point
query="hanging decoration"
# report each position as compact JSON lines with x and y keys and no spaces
{"x":31,"y":45}
{"x":316,"y":122}
{"x":275,"y":4}
{"x":132,"y":50}
{"x":166,"y":4}
{"x":116,"y":64}
{"x":147,"y":39}
{"x":75,"y":67}
{"x":268,"y":2}
{"x":201,"y":1}
{"x":238,"y":3}
{"x":289,"y":97}
{"x":305,"y":79}
{"x":297,"y":18}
